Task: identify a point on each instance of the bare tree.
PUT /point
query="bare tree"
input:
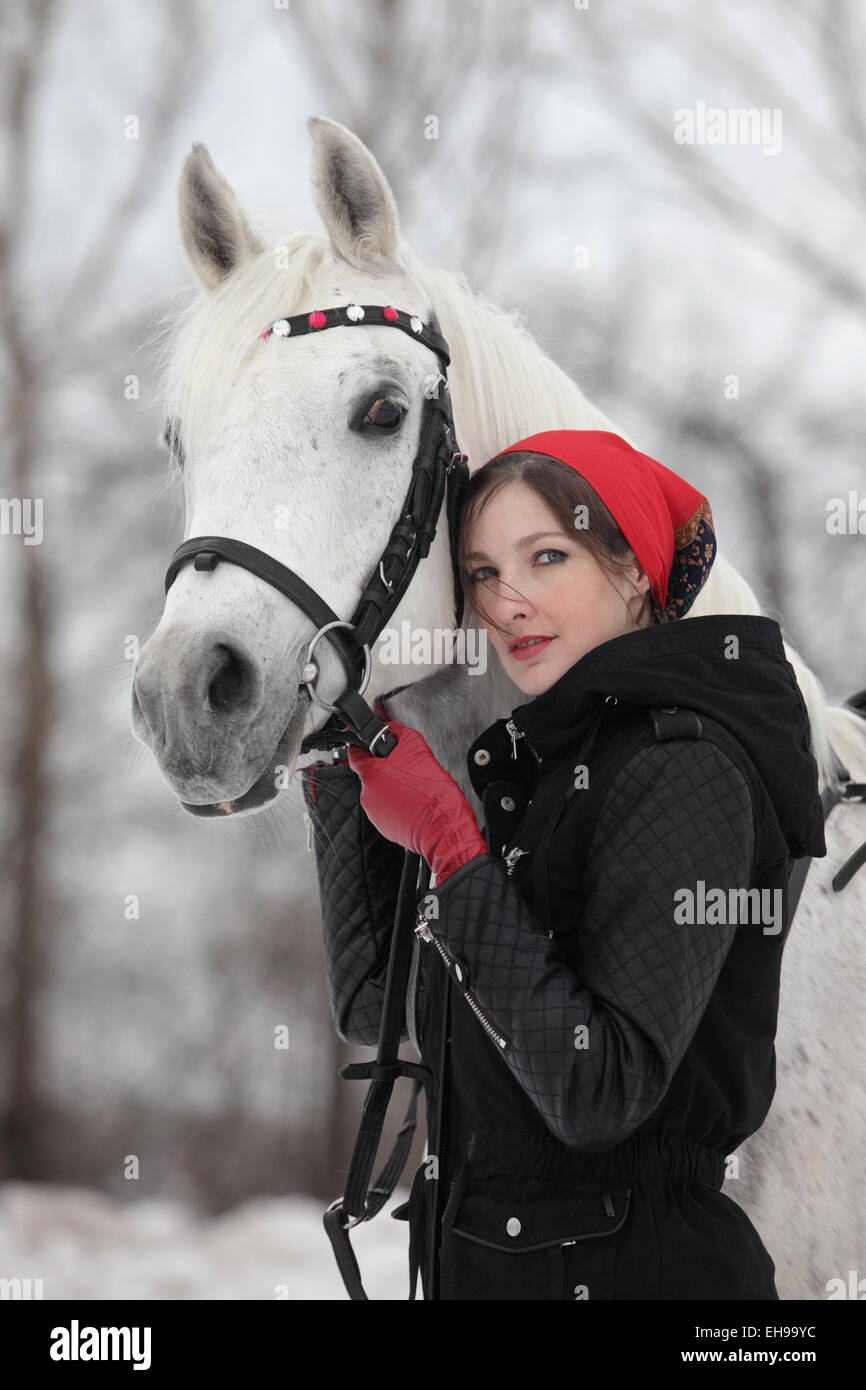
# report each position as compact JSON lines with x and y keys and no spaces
{"x":37,"y":364}
{"x":404,"y":79}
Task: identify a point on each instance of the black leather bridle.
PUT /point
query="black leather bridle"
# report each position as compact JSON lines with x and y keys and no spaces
{"x":439,"y":469}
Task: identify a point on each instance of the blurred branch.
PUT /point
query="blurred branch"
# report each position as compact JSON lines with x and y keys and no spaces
{"x":23,"y":80}
{"x":178,"y":76}
{"x":97,"y":352}
{"x":711,"y":183}
{"x":381,"y":69}
{"x":732,"y":52}
{"x":32,"y":682}
{"x":839,"y":47}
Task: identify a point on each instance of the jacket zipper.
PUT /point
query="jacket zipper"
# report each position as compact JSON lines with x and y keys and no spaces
{"x":515,"y":735}
{"x":512,"y":857}
{"x":425,"y":934}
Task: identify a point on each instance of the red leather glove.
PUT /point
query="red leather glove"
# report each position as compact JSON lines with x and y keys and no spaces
{"x":414,"y":802}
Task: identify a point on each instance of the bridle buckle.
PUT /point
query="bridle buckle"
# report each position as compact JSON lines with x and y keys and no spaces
{"x":349,"y":1220}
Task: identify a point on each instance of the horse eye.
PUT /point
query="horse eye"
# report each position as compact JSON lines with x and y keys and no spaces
{"x":384,"y":414}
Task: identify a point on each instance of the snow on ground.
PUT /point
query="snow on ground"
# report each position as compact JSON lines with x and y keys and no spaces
{"x":82,"y":1244}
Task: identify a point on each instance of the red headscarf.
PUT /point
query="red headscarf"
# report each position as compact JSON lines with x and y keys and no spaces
{"x":666,"y":521}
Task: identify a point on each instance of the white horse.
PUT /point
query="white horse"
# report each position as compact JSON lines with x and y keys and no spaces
{"x":269,"y":437}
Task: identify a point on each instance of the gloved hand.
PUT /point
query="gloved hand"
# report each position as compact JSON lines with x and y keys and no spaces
{"x":412,"y":800}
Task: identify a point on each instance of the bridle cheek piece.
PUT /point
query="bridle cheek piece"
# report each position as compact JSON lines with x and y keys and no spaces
{"x":439,"y":473}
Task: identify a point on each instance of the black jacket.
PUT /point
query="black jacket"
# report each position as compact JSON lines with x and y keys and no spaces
{"x":595,"y":1001}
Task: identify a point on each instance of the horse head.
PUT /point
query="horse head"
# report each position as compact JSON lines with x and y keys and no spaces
{"x":301,"y":447}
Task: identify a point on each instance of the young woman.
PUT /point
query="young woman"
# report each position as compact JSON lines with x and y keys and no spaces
{"x":599,"y":980}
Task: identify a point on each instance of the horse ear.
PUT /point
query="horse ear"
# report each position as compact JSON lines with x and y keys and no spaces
{"x":352,"y":197}
{"x":215,"y":233}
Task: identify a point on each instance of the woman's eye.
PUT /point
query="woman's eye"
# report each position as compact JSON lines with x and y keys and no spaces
{"x":476,"y":574}
{"x":384,"y":414}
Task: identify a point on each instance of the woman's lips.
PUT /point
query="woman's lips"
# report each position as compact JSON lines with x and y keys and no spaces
{"x":534,"y":648}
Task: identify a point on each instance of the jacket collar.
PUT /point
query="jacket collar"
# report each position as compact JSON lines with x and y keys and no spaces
{"x":731,"y":667}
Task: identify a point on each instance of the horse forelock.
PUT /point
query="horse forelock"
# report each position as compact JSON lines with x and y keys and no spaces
{"x":209,"y":338}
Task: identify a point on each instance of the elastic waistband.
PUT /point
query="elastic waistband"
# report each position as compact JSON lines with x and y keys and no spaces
{"x":672,"y":1160}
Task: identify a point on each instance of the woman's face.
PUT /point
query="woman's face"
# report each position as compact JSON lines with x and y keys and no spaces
{"x":544,"y":583}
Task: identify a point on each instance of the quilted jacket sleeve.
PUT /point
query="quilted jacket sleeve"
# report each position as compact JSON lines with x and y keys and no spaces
{"x":359,"y":882}
{"x":675,"y":813}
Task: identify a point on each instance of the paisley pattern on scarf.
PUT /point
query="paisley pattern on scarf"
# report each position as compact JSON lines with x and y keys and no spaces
{"x":694,"y":552}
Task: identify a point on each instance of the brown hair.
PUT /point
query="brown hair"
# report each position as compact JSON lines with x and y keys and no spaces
{"x":562,"y":489}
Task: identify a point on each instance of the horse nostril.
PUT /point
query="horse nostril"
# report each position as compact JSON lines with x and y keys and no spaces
{"x":231,"y":683}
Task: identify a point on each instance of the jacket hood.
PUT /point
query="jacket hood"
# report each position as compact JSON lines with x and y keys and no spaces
{"x":748,"y":686}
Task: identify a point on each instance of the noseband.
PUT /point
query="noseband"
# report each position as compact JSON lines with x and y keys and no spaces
{"x":439,"y":469}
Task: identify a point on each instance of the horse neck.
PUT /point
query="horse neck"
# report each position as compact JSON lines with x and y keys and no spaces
{"x":453,"y":705}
